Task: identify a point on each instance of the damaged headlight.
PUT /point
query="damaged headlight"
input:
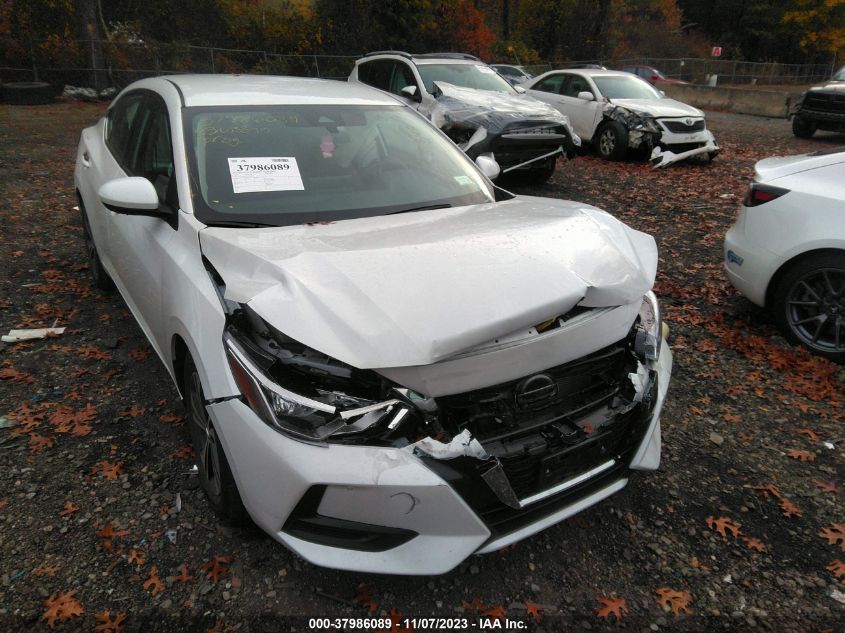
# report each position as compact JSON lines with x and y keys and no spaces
{"x":647,"y":124}
{"x":649,"y":336}
{"x":313,"y":417}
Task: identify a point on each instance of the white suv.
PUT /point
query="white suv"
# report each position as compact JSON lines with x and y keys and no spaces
{"x":480,"y":111}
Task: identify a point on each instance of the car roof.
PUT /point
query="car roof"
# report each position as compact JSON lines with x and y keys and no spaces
{"x":221,"y":90}
{"x":591,"y":72}
{"x":421,"y":59}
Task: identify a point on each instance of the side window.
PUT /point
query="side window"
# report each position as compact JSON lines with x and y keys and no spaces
{"x":376,"y":73}
{"x":154,"y":156}
{"x":574,"y":85}
{"x":550,"y":84}
{"x":401,"y":76}
{"x":119,"y":123}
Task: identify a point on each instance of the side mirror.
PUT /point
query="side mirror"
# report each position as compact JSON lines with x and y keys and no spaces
{"x":488,"y":166}
{"x":519,"y":89}
{"x":131,"y":196}
{"x":586,"y":95}
{"x":411,"y":93}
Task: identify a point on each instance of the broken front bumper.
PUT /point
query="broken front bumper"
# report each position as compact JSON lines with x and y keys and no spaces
{"x":386,"y":510}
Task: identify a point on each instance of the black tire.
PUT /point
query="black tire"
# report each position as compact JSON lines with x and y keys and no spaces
{"x":27,"y":93}
{"x":802,"y":128}
{"x":611,"y":141}
{"x":214,"y":472}
{"x":539,"y":175}
{"x":101,"y":277}
{"x":808,"y":304}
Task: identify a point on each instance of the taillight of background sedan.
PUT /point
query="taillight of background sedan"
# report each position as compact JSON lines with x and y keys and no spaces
{"x":388,"y":363}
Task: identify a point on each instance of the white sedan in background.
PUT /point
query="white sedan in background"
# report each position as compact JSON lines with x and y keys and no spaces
{"x":786,"y":251}
{"x":617,"y":111}
{"x":388,"y":363}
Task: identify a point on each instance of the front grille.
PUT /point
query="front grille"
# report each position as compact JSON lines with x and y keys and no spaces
{"x":679,"y":127}
{"x":824,"y":102}
{"x":562,"y":394}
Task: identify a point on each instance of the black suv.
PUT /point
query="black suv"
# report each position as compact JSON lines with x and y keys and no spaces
{"x":821,"y":108}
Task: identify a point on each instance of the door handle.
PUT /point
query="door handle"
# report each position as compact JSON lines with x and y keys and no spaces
{"x":86,"y":159}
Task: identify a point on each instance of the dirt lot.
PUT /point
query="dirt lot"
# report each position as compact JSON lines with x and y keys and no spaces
{"x":93,"y":455}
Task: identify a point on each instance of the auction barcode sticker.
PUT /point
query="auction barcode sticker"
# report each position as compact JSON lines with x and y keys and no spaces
{"x":265,"y":174}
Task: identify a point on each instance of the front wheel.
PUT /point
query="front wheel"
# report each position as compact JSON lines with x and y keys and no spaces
{"x":214,"y":472}
{"x":809,"y":304}
{"x":612,"y":141}
{"x":101,"y":277}
{"x":802,"y":128}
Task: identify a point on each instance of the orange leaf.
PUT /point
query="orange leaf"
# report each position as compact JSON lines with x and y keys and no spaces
{"x":804,"y":456}
{"x":109,"y":532}
{"x":722,"y":525}
{"x":139,"y":354}
{"x":46,"y":570}
{"x":612,"y":606}
{"x":768,"y":489}
{"x":755,"y":544}
{"x":789,"y":508}
{"x":70,"y":509}
{"x":183,"y":576}
{"x":107,"y":624}
{"x":153,"y":583}
{"x":496,"y":611}
{"x":61,"y":607}
{"x":136,"y":557}
{"x":38,"y":443}
{"x":827,"y":486}
{"x":838,"y":568}
{"x":186,"y":452}
{"x":216,"y":567}
{"x":108,"y":469}
{"x":475,"y":606}
{"x":835,"y":534}
{"x":170,"y":418}
{"x":809,"y":433}
{"x":676,"y":600}
{"x":534,"y":610}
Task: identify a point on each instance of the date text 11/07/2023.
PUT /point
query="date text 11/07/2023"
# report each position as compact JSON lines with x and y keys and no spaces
{"x":482,"y":623}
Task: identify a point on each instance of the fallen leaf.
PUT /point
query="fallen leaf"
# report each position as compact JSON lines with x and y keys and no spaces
{"x":612,"y":606}
{"x":497,"y":612}
{"x":827,"y":486}
{"x":677,"y":601}
{"x":835,"y":534}
{"x":534,"y":610}
{"x":61,"y":607}
{"x":837,"y":567}
{"x":722,"y":525}
{"x":38,"y":443}
{"x":170,"y":418}
{"x":804,"y":456}
{"x":789,"y":509}
{"x":107,"y":624}
{"x":136,"y":557}
{"x":70,"y":509}
{"x":809,"y":433}
{"x":109,"y":532}
{"x":153,"y":583}
{"x":108,"y":469}
{"x":183,"y":576}
{"x":46,"y":570}
{"x":476,"y":606}
{"x":755,"y":544}
{"x":364,"y":598}
{"x":216,"y":567}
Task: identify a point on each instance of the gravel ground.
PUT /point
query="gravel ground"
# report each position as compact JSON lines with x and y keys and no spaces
{"x":94,"y":467}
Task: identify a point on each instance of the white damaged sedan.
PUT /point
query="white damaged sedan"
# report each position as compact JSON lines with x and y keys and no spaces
{"x":388,"y":363}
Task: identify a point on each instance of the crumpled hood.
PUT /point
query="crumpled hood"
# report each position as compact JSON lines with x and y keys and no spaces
{"x":496,"y":111}
{"x":659,"y":107}
{"x":416,"y":288}
{"x":775,"y":167}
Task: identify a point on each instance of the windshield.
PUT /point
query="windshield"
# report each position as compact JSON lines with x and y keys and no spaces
{"x":840,"y":75}
{"x":282,"y":165}
{"x":622,"y":87}
{"x":476,"y":76}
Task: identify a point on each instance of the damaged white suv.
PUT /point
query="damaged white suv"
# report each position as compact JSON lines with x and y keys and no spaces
{"x":389,"y":363}
{"x":617,"y":111}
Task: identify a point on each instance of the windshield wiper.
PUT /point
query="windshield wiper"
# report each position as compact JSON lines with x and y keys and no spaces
{"x":422,"y":208}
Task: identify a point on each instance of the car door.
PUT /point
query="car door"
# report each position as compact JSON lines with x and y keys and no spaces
{"x":583,"y":115}
{"x":138,"y":244}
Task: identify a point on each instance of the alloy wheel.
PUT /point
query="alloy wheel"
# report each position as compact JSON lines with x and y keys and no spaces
{"x":205,"y":439}
{"x":815,"y":309}
{"x":607,"y":142}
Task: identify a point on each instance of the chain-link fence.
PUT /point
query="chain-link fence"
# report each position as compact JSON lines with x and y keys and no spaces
{"x":106,"y":63}
{"x":100,"y":64}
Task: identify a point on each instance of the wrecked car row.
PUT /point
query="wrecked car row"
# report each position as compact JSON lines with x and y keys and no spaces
{"x":389,"y":363}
